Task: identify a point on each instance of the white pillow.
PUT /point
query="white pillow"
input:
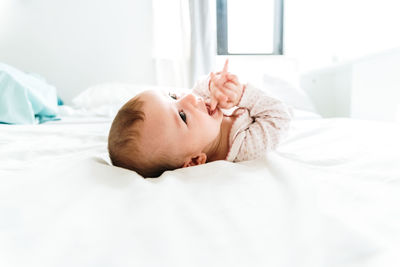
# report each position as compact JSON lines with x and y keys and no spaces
{"x":289,"y":92}
{"x":110,"y":94}
{"x":107,"y":99}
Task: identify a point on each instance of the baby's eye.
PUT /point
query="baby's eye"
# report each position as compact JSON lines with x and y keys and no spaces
{"x":173,"y":96}
{"x":182,"y":115}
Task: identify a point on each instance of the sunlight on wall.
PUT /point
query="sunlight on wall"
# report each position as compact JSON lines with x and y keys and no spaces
{"x":77,"y":44}
{"x":325,"y":32}
{"x":5,"y":6}
{"x":171,"y":29}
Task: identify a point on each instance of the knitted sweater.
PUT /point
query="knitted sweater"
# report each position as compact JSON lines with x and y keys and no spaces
{"x":261,"y":121}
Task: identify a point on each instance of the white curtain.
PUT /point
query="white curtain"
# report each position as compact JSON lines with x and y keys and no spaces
{"x":184,"y":42}
{"x":203,"y":38}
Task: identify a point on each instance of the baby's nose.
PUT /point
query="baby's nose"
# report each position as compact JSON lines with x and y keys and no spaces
{"x":190,"y":99}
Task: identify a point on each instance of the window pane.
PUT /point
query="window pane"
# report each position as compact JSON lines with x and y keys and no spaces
{"x":250,"y":26}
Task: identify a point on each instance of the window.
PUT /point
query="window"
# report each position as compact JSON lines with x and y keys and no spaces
{"x":251,"y":27}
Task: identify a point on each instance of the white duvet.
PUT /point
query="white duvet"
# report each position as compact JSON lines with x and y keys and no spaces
{"x":329,"y":196}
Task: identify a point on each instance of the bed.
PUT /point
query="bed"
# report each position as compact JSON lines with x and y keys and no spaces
{"x":328,"y":196}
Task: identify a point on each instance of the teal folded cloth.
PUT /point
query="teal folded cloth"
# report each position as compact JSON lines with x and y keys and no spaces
{"x":25,"y":98}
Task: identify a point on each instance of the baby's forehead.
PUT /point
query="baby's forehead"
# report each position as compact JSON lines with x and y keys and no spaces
{"x":156,"y":128}
{"x":149,"y":94}
{"x":156,"y":105}
{"x":155,"y":100}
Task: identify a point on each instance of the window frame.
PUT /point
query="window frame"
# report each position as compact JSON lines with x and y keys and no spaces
{"x":222,"y":30}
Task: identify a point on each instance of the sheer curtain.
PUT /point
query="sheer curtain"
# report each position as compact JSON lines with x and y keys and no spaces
{"x":184,"y":42}
{"x":203,"y":38}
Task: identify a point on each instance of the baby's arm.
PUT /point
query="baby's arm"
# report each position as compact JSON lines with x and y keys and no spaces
{"x":270,"y":120}
{"x":267,"y":119}
{"x":263,"y":122}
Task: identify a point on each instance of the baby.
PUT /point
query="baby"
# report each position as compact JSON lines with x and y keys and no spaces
{"x":154,"y":132}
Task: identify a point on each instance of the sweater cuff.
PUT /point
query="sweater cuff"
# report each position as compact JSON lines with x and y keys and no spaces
{"x":201,"y":87}
{"x":249,"y":94}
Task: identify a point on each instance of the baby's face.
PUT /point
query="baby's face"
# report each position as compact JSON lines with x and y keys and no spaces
{"x":181,"y":127}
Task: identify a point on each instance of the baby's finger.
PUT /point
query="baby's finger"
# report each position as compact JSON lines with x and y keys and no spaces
{"x":230,"y":86}
{"x":226,"y":104}
{"x":219,"y":82}
{"x":228,"y":92}
{"x":212,"y":75}
{"x":216,"y":80}
{"x":220,"y":98}
{"x":214,"y":103}
{"x":225,"y":70}
{"x":233,"y":78}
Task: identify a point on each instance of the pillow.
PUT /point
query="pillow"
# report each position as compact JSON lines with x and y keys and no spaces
{"x":106,"y":99}
{"x":289,"y":92}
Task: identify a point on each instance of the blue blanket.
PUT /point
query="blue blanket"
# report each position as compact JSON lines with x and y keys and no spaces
{"x":25,"y":98}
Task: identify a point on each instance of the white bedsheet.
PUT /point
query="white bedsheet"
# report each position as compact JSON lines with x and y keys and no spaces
{"x":329,"y":196}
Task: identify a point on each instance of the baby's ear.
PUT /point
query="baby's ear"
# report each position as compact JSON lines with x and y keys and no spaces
{"x":197,"y":160}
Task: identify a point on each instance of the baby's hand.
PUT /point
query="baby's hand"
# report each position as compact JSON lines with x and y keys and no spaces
{"x":225,"y":89}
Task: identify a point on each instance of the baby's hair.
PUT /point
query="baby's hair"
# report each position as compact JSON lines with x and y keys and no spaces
{"x":124,"y":134}
{"x":124,"y":140}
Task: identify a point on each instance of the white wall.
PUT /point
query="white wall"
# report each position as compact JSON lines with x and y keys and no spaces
{"x":346,"y":54}
{"x":323,"y":32}
{"x":365,"y":88}
{"x":78,"y":43}
{"x":330,"y":90}
{"x":376,"y":87}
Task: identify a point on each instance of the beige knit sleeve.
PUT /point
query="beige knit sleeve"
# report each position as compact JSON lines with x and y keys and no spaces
{"x":268,"y":122}
{"x":201,"y":87}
